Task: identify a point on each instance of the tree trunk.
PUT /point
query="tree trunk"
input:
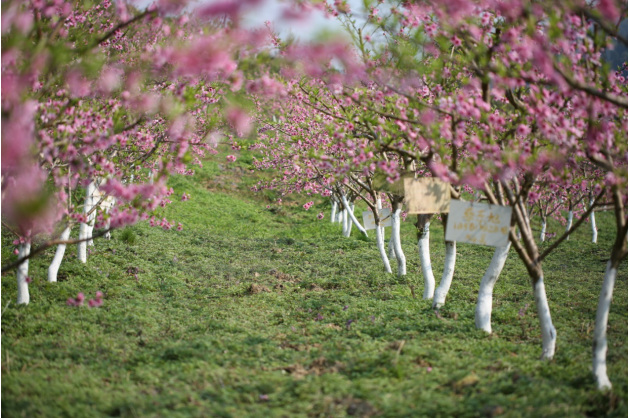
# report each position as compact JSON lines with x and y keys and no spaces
{"x":84,"y":227}
{"x":53,"y":269}
{"x":599,"y":348}
{"x":542,"y":235}
{"x":549,"y":334}
{"x":446,"y":279}
{"x":423,"y":247}
{"x":593,"y":222}
{"x":569,"y":224}
{"x":352,"y":219}
{"x":486,"y":291}
{"x":333,"y":211}
{"x":381,"y":250}
{"x":391,"y":249}
{"x":397,"y":244}
{"x":22,"y":274}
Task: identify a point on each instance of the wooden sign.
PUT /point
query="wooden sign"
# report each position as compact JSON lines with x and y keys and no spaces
{"x":426,"y":195}
{"x":478,"y":223}
{"x":370,"y":223}
{"x":381,"y":184}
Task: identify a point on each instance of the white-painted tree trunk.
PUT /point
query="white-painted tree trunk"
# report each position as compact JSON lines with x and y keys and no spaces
{"x":569,"y":223}
{"x":381,"y":250}
{"x":391,"y":250}
{"x":599,"y":348}
{"x":446,"y":278}
{"x":379,"y":207}
{"x":486,"y":291}
{"x":542,"y":235}
{"x":344,"y":223}
{"x":84,"y":230}
{"x":350,"y":222}
{"x":53,"y":269}
{"x":423,"y":246}
{"x":352,"y":219}
{"x":333,"y":211}
{"x":397,"y":243}
{"x":593,"y":223}
{"x":549,"y":334}
{"x":22,"y":273}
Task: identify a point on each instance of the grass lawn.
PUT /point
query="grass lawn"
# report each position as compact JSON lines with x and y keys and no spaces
{"x":256,"y":312}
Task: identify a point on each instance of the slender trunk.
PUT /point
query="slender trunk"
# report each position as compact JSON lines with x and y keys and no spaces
{"x":542,"y":235}
{"x":344,"y":222}
{"x":381,"y":250}
{"x":593,"y":222}
{"x":56,"y":261}
{"x":391,"y":249}
{"x":486,"y":291}
{"x":379,"y":208}
{"x":446,"y":279}
{"x":22,"y":275}
{"x":549,"y":334}
{"x":423,"y":247}
{"x":599,"y":348}
{"x":569,"y":224}
{"x":397,"y":244}
{"x":333,"y":211}
{"x":352,"y":219}
{"x":84,"y":227}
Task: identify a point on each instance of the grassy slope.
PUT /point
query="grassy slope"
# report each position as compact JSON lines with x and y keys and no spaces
{"x":189,"y":338}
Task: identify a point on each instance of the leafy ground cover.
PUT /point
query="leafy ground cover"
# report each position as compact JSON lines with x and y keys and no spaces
{"x":253,"y":312}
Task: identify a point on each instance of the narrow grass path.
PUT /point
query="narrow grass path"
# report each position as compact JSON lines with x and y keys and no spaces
{"x":250,"y":312}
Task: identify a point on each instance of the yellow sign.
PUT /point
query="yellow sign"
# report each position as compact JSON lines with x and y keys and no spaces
{"x":426,"y":195}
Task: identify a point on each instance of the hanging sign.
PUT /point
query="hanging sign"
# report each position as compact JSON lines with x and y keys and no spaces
{"x":370,"y":223}
{"x":381,"y":184}
{"x":478,"y":223}
{"x":426,"y":195}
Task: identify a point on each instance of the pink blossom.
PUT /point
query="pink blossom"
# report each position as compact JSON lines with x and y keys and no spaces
{"x":320,"y":215}
{"x":231,"y":158}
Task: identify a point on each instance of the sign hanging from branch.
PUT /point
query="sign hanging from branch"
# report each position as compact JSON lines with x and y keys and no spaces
{"x":426,"y":195}
{"x":381,"y":184}
{"x":478,"y":223}
{"x":369,"y":221}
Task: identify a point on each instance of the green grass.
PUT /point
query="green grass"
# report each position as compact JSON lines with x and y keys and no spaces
{"x":244,"y":314}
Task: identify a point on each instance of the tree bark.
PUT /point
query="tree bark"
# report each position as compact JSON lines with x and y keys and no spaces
{"x":569,"y":224}
{"x":23,"y":296}
{"x":381,"y":250}
{"x":53,"y":269}
{"x":446,"y":279}
{"x":395,"y":237}
{"x":423,"y":247}
{"x":599,"y":348}
{"x":549,"y":334}
{"x":486,"y":291}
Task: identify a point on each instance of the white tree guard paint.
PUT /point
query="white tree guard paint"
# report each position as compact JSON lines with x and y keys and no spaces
{"x":344,"y":223}
{"x":593,"y":223}
{"x":379,"y":207}
{"x":352,"y":219}
{"x":549,"y":335}
{"x":486,"y":291}
{"x":397,"y":243}
{"x":22,"y":273}
{"x":391,"y":250}
{"x":333,"y":211}
{"x":446,"y":278}
{"x":542,"y":235}
{"x":350,"y":222}
{"x":569,"y":223}
{"x":84,"y":227}
{"x":599,"y":348}
{"x":381,"y":250}
{"x":423,"y":246}
{"x":53,"y":269}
